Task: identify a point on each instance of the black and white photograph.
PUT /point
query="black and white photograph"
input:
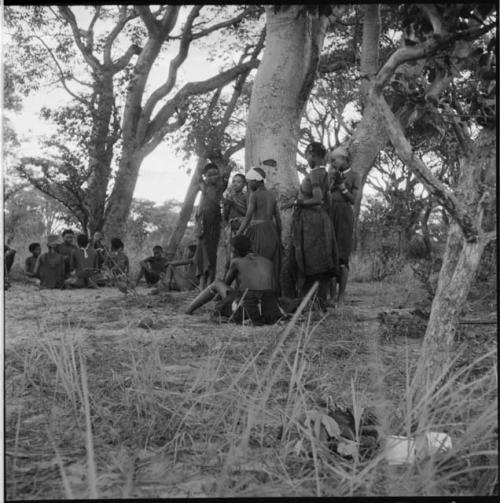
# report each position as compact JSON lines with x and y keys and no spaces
{"x":250,"y":251}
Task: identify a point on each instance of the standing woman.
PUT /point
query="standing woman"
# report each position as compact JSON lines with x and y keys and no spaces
{"x":208,"y":223}
{"x":313,"y":238}
{"x":344,"y":186}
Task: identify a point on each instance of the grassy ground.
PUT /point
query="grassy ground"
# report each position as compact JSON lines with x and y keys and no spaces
{"x":116,"y":396}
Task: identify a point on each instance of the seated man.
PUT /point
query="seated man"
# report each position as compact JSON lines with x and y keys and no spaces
{"x":152,"y":267}
{"x":29,"y":265}
{"x":254,"y":298}
{"x":117,"y":261}
{"x":85,"y":264}
{"x":66,"y":248}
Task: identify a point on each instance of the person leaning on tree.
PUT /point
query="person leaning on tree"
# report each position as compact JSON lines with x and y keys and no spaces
{"x":344,"y":186}
{"x":208,"y":222}
{"x":314,"y":247}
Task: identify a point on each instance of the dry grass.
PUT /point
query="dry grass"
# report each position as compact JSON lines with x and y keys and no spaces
{"x":98,"y":407}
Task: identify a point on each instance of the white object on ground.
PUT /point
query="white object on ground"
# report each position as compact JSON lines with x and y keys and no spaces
{"x":432,"y":442}
{"x":399,"y":450}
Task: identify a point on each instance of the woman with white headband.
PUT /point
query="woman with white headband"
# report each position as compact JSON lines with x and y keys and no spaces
{"x":344,"y":186}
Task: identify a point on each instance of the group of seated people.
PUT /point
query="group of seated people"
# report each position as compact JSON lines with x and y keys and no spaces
{"x":89,"y":263}
{"x":86,"y":264}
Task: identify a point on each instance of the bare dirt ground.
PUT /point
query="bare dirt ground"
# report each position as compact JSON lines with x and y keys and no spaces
{"x":171,"y":396}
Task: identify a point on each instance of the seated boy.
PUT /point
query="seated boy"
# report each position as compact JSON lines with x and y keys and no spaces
{"x":29,"y":265}
{"x":254,"y":298}
{"x":152,"y":267}
{"x":116,"y":261}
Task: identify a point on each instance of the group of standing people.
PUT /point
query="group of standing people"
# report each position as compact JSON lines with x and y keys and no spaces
{"x":322,"y":228}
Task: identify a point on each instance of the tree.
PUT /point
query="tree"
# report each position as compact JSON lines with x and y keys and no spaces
{"x":214,"y":131}
{"x":111,"y":81}
{"x":294,"y":39}
{"x":471,"y":202}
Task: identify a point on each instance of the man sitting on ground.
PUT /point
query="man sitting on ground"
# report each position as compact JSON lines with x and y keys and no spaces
{"x":152,"y":267}
{"x":117,"y":261}
{"x":254,"y":298}
{"x":85,"y":263}
{"x":30,"y":263}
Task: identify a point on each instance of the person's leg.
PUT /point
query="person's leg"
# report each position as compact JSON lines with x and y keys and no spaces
{"x":141,"y":274}
{"x":322,"y":294}
{"x":206,"y":295}
{"x":344,"y":273}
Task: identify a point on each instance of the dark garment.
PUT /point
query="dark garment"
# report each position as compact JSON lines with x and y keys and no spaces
{"x":342,"y":216}
{"x":51,"y":270}
{"x":85,"y":264}
{"x":266,"y":243}
{"x":9,"y":254}
{"x":29,"y":264}
{"x":313,"y":239}
{"x":65,"y":250}
{"x":209,"y":228}
{"x":259,"y":306}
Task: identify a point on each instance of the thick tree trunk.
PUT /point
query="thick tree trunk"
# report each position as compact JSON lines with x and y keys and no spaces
{"x":100,"y":153}
{"x":187,"y":209}
{"x":294,"y":39}
{"x":120,"y":200}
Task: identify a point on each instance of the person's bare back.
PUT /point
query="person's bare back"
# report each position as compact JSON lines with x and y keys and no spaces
{"x":252,"y":272}
{"x":265,"y":204}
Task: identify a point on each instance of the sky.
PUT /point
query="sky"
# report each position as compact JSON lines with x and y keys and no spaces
{"x":163,"y":174}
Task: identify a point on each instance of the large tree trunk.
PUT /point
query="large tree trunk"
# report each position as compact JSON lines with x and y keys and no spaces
{"x":187,"y":209}
{"x":294,"y":39}
{"x":100,"y":152}
{"x":121,"y":197}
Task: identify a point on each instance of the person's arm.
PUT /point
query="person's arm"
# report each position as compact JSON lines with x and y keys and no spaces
{"x":232,"y":273}
{"x":277,"y":218}
{"x":350,"y":195}
{"x":249,"y":214}
{"x":36,"y":270}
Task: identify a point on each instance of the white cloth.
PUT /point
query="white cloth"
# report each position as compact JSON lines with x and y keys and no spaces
{"x":252,"y":174}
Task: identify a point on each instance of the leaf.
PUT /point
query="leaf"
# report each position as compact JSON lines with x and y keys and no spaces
{"x":331,"y":426}
{"x":348,"y":448}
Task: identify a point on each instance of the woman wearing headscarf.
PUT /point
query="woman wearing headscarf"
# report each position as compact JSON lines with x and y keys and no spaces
{"x":313,"y":238}
{"x":344,"y":186}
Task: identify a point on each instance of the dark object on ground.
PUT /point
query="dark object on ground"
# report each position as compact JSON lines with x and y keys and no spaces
{"x":407,"y":322}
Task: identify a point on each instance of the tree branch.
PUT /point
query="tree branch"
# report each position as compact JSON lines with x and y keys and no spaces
{"x":164,"y":89}
{"x":123,"y":19}
{"x":62,"y":78}
{"x":148,"y":19}
{"x":193,"y":88}
{"x":402,"y":146}
{"x":123,"y":61}
{"x":224,"y":24}
{"x":68,"y":15}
